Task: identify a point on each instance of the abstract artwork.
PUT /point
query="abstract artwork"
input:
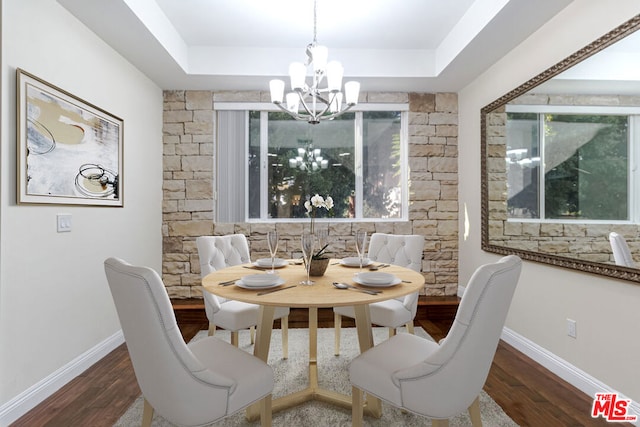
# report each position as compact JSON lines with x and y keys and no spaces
{"x":69,"y":151}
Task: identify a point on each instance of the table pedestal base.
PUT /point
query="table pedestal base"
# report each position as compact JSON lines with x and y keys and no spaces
{"x":373,"y":406}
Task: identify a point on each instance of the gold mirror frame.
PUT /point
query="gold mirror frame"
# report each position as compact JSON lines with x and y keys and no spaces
{"x":610,"y":270}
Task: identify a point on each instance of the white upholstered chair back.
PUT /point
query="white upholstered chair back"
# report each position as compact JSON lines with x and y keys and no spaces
{"x":397,"y":249}
{"x":450,"y":379}
{"x":166,"y":369}
{"x":402,"y":250}
{"x":621,"y":253}
{"x":218,"y":252}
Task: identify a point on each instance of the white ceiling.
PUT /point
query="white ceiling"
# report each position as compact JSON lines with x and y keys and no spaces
{"x":388,"y":45}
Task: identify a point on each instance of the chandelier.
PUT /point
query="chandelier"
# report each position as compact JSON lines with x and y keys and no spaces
{"x":318,"y":103}
{"x":309,"y":159}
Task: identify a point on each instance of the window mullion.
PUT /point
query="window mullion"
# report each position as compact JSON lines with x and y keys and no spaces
{"x":542,"y":167}
{"x":359,"y":158}
{"x":633,"y":139}
{"x":404,"y":165}
{"x":264,"y":165}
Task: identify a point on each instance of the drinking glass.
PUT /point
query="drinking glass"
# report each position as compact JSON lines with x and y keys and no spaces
{"x":361,"y":242}
{"x":272,"y":240}
{"x":307,"y":243}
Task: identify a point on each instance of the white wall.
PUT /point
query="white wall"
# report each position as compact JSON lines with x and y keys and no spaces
{"x":54,"y":299}
{"x":607,"y":311}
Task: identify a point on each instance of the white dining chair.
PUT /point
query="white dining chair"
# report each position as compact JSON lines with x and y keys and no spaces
{"x":397,"y":249}
{"x":218,"y":252}
{"x":441,"y":380}
{"x":189,"y":385}
{"x":621,"y":253}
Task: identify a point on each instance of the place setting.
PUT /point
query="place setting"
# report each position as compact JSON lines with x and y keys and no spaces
{"x":376,"y":279}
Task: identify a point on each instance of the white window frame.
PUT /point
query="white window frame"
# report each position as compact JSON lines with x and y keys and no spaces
{"x":633,"y":158}
{"x":265,"y":108}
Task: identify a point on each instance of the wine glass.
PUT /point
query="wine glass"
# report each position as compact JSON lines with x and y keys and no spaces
{"x":272,"y":240}
{"x":361,"y":242}
{"x":307,"y":243}
{"x":321,"y":238}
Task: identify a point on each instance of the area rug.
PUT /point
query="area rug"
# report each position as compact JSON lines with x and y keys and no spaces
{"x":291,"y":376}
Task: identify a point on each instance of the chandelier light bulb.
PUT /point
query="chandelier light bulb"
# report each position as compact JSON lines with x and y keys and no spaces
{"x":336,"y":103}
{"x":297,"y":74}
{"x":276,"y":87}
{"x":334,"y":76}
{"x":352,"y":91}
{"x":293,"y":102}
{"x":319,"y":56}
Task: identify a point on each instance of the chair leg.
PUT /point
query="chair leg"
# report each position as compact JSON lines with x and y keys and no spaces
{"x":337,"y":323}
{"x":357,"y":407}
{"x":284,"y":325}
{"x":265,"y":411}
{"x":474,"y":413}
{"x":392,"y":332}
{"x":147,"y":414}
{"x":212,"y":329}
{"x":440,"y":423}
{"x":252,"y":334}
{"x":410,"y":327}
{"x":234,"y":338}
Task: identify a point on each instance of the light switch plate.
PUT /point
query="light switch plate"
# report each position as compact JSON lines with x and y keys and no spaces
{"x":64,"y":223}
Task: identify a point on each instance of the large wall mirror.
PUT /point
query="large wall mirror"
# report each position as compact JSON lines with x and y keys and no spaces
{"x":561,"y":160}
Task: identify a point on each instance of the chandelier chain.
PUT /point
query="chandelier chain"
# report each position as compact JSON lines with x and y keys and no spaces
{"x":315,"y":21}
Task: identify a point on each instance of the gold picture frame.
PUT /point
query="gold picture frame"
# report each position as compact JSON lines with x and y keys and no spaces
{"x":69,"y":152}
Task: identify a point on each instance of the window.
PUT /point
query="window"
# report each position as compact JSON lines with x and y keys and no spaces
{"x":359,"y":159}
{"x":567,"y":166}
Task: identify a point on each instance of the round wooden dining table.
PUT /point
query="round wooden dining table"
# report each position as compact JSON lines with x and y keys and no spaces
{"x":321,"y":294}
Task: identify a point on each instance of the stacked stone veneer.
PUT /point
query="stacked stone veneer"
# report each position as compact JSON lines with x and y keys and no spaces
{"x":189,"y":180}
{"x":588,"y":242}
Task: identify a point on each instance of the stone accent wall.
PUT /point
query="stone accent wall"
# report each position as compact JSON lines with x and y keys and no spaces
{"x":587,"y":242}
{"x":189,"y":179}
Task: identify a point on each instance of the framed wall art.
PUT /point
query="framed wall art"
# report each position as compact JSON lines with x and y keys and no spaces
{"x":69,"y":151}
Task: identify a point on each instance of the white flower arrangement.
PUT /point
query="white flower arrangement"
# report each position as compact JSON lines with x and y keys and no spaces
{"x":318,"y":202}
{"x":312,"y":206}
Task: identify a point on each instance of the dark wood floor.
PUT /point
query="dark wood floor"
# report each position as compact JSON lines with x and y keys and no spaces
{"x":528,"y":393}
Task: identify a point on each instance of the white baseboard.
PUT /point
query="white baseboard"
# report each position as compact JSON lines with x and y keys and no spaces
{"x":27,"y":400}
{"x":574,"y":376}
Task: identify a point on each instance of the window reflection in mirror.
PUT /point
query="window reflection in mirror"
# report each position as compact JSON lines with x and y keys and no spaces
{"x":585,"y":172}
{"x":559,"y":160}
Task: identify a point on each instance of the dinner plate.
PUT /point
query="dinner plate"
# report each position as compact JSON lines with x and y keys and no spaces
{"x":354,"y":261}
{"x":253,"y":280}
{"x":278,"y":282}
{"x":376,"y":278}
{"x":266,"y":263}
{"x":358,"y":280}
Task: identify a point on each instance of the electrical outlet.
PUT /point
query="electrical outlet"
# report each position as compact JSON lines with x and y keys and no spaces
{"x":64,"y":223}
{"x":571,"y":328}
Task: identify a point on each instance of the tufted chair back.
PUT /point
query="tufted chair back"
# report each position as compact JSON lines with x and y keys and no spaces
{"x":621,"y":252}
{"x":402,"y":250}
{"x":397,"y":249}
{"x":217,"y":252}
